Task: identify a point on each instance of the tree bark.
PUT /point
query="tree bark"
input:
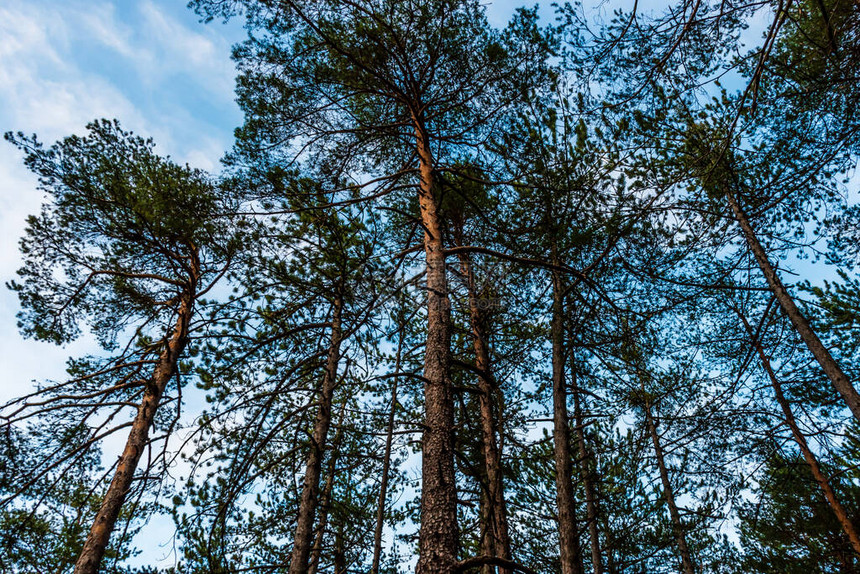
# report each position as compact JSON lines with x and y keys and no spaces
{"x":326,"y":497}
{"x":587,"y":471}
{"x":828,"y":364}
{"x":570,"y":551}
{"x":486,"y":522}
{"x":325,"y":502}
{"x":310,"y":490}
{"x":105,"y":520}
{"x":669,"y":494}
{"x":386,"y":465}
{"x":438,"y":536}
{"x":469,"y":563}
{"x":496,"y":527}
{"x":800,"y":439}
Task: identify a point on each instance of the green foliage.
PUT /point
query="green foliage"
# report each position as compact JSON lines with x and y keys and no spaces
{"x":44,"y":530}
{"x":111,"y":243}
{"x":607,"y":160}
{"x":790,"y":528}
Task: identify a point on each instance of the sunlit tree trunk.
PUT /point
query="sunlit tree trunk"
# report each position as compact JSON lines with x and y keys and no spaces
{"x":438,"y":537}
{"x":138,"y":437}
{"x":496,"y":539}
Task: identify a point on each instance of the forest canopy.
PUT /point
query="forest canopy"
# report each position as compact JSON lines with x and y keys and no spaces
{"x":572,"y":295}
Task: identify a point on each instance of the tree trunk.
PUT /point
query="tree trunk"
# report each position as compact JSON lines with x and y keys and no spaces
{"x":669,"y":494}
{"x":486,"y":523}
{"x":310,"y":489}
{"x":325,"y":502}
{"x":570,"y":551}
{"x":587,"y":472}
{"x":800,"y":439}
{"x":386,"y":464}
{"x":325,"y":498}
{"x":496,"y":527}
{"x":438,"y":537}
{"x":165,"y":369}
{"x":828,"y":364}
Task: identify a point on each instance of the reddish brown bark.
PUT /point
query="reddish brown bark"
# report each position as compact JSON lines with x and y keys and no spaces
{"x":325,"y":498}
{"x":310,"y":489}
{"x":438,"y":537}
{"x":138,"y":437}
{"x":828,"y":364}
{"x":570,"y":551}
{"x":669,"y":493}
{"x":486,"y":525}
{"x":325,"y":502}
{"x":814,"y":467}
{"x":476,"y":561}
{"x":496,"y":540}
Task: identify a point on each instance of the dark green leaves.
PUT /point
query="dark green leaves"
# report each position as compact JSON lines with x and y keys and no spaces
{"x":114,"y":241}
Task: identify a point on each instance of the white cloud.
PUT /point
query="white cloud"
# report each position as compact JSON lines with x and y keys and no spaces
{"x":175,"y":38}
{"x":101,"y":24}
{"x":204,"y":156}
{"x":27,"y":31}
{"x":174,"y":49}
{"x":43,"y":90}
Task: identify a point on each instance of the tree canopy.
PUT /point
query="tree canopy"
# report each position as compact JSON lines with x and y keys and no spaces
{"x":572,"y":295}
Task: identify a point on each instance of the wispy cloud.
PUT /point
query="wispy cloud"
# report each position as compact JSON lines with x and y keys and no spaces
{"x":102,"y":24}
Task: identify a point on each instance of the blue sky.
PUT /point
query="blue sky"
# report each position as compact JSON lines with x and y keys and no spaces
{"x":150,"y":64}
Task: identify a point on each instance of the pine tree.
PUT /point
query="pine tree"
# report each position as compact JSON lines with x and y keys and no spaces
{"x":128,"y":244}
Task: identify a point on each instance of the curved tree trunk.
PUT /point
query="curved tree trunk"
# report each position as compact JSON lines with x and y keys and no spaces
{"x":669,"y":494}
{"x":828,"y":364}
{"x":570,"y":551}
{"x":310,"y":490}
{"x":815,"y":468}
{"x":105,"y":520}
{"x":438,"y":536}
